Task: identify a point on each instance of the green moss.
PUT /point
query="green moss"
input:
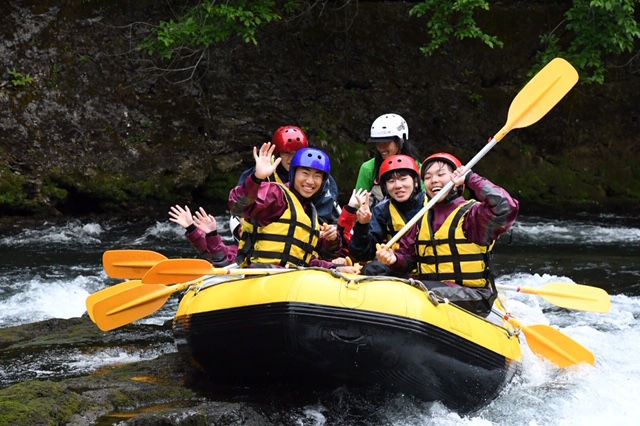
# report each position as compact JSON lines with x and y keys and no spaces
{"x":38,"y":402}
{"x":98,"y":186}
{"x":345,"y":153}
{"x":15,"y":413}
{"x":217,"y":187}
{"x":345,"y":165}
{"x":50,"y":189}
{"x":574,"y":180}
{"x":12,"y":193}
{"x":112,"y":190}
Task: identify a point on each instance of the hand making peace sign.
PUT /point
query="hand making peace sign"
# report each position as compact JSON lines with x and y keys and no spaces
{"x":364,"y":212}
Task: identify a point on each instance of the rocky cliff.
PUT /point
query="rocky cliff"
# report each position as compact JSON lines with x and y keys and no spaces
{"x":90,"y":125}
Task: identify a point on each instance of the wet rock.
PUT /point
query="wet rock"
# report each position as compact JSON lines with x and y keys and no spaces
{"x":157,"y":387}
{"x":163,"y":390}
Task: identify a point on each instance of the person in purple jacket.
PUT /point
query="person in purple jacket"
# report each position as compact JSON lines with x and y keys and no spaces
{"x":284,"y":229}
{"x":451,"y":246}
{"x":202,"y":230}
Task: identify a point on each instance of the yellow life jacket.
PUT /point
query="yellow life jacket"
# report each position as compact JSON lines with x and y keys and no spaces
{"x":246,"y":242}
{"x":289,"y":240}
{"x":448,"y":256}
{"x":397,"y":222}
{"x":275,"y":178}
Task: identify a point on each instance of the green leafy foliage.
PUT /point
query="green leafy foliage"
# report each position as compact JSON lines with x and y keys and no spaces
{"x":452,"y":19}
{"x":20,"y":79}
{"x":208,"y":23}
{"x":595,"y":32}
{"x":591,"y":34}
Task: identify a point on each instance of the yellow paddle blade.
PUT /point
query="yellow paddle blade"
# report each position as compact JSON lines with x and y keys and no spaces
{"x":94,"y":298}
{"x":178,"y":270}
{"x":130,"y":305}
{"x":569,"y":296}
{"x":540,"y":94}
{"x":576,"y":296}
{"x":553,"y":345}
{"x":129,"y":263}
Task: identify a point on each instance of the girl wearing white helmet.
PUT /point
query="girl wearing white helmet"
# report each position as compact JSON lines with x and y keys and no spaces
{"x":390,"y":133}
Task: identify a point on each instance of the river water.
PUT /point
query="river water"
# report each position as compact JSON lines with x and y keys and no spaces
{"x":47,"y":271}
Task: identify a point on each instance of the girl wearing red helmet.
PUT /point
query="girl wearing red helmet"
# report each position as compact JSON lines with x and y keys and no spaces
{"x":451,"y":246}
{"x":400,"y":183}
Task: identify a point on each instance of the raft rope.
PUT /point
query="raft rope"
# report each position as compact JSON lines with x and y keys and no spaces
{"x":210,"y":281}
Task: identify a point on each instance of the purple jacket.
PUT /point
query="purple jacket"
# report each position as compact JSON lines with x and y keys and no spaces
{"x":485,"y":222}
{"x":212,"y":244}
{"x":265,"y":201}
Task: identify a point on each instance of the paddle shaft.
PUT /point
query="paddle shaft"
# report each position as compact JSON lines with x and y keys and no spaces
{"x":192,"y":274}
{"x":178,"y":270}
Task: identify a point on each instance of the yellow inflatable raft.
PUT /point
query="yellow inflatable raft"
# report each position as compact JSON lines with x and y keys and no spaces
{"x":318,"y":327}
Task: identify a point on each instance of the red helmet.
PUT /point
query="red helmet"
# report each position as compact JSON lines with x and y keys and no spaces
{"x":289,"y":139}
{"x":398,"y":162}
{"x":441,"y":156}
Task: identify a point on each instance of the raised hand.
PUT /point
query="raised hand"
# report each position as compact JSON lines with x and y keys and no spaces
{"x":205,"y":222}
{"x":265,"y":166}
{"x":181,"y":216}
{"x":458,"y":176}
{"x":357,"y":197}
{"x":364,"y":212}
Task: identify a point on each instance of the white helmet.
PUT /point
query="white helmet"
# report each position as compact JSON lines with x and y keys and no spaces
{"x":234,"y":226}
{"x":387,"y":128}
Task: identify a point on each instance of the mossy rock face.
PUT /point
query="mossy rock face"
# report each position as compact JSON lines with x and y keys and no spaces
{"x":39,"y":403}
{"x":150,"y":392}
{"x":79,"y":399}
{"x":96,"y":134}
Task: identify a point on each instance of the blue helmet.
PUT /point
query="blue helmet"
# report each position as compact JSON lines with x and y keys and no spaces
{"x":311,"y":158}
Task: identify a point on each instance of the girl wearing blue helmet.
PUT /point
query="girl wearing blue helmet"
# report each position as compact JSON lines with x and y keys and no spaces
{"x":288,"y":140}
{"x":285,"y":227}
